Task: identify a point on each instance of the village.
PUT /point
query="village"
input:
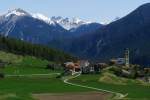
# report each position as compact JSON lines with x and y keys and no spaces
{"x":75,"y":74}
{"x":121,"y":67}
{"x":75,"y":50}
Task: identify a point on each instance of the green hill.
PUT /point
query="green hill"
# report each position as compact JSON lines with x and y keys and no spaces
{"x":17,"y":64}
{"x":24,"y":48}
{"x":34,"y":78}
{"x":9,"y":57}
{"x":136,"y":90}
{"x":107,"y":77}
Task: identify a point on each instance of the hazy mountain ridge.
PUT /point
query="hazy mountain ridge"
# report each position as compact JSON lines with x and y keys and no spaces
{"x":21,"y":25}
{"x":89,"y":41}
{"x":37,"y":28}
{"x":131,"y":31}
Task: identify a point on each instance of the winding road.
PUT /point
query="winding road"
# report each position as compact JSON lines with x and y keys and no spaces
{"x":28,"y":75}
{"x":117,"y":95}
{"x":66,"y":81}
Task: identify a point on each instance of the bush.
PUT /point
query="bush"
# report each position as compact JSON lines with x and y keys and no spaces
{"x":1,"y":75}
{"x":133,"y":74}
{"x":50,"y":66}
{"x":116,"y":70}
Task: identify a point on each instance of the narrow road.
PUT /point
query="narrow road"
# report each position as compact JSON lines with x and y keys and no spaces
{"x":117,"y":95}
{"x":28,"y":75}
{"x":66,"y":81}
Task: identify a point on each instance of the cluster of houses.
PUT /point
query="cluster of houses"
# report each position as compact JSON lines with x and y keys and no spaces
{"x":85,"y":67}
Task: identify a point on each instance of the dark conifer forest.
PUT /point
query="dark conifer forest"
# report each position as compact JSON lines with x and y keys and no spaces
{"x":24,"y":48}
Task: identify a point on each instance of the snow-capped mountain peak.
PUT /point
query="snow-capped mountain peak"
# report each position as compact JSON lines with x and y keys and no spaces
{"x":79,"y":21}
{"x":69,"y":23}
{"x":43,"y":17}
{"x":17,"y":12}
{"x":66,"y":23}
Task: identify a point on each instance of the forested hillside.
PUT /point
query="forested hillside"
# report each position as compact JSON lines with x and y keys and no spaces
{"x":131,"y":31}
{"x":25,"y":48}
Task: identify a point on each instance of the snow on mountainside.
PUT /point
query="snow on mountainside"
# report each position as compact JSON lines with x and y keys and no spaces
{"x":66,"y":23}
{"x":22,"y":25}
{"x":43,"y":17}
{"x":17,"y":12}
{"x":69,"y":23}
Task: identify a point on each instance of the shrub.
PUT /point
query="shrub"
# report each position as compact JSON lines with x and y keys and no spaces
{"x":116,"y":70}
{"x":1,"y":75}
{"x":133,"y":74}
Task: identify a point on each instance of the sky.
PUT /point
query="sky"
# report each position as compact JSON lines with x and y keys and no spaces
{"x":102,"y":11}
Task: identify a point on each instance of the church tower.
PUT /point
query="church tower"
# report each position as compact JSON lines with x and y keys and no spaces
{"x":127,"y":57}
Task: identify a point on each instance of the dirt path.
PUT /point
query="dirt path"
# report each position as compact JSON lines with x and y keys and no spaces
{"x":28,"y":75}
{"x":102,"y":95}
{"x":117,"y":95}
{"x":74,"y":96}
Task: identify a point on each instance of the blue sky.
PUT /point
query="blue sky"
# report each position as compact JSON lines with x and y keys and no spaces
{"x":94,"y":10}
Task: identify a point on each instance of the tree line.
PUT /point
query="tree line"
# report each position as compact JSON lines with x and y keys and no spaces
{"x":25,"y":48}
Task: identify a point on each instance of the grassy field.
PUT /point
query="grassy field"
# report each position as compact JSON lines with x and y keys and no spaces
{"x":135,"y":91}
{"x":28,"y":65}
{"x":10,"y":58}
{"x":21,"y":88}
{"x":23,"y":64}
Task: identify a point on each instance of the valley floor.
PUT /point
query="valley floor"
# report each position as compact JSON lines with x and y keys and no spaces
{"x":74,"y":96}
{"x":132,"y":89}
{"x":28,"y":79}
{"x":48,"y":87}
{"x":44,"y":87}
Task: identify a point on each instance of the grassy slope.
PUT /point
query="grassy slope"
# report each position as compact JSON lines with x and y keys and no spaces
{"x":10,"y":58}
{"x":135,"y":91}
{"x":25,"y":86}
{"x":23,"y":64}
{"x":28,"y":65}
{"x":21,"y":88}
{"x":108,"y":77}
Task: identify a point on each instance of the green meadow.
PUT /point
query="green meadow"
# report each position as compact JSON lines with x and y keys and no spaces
{"x":136,"y":90}
{"x":22,"y":87}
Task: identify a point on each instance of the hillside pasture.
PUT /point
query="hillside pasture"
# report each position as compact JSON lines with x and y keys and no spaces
{"x":135,"y":91}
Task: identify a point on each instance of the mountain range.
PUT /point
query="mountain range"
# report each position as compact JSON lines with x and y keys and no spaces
{"x":84,"y":39}
{"x":131,"y":31}
{"x":39,"y":29}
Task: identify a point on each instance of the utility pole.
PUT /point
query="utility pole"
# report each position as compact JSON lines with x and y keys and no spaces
{"x":127,"y":63}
